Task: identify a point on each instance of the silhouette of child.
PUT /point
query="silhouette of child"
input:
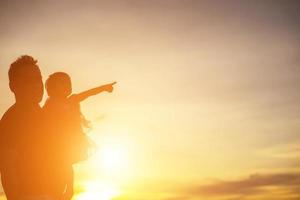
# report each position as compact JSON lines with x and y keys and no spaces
{"x":67,"y":123}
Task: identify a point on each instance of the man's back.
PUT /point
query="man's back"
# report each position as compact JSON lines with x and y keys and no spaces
{"x":21,"y":151}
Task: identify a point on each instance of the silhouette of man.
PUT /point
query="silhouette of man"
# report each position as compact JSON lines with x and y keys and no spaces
{"x":22,"y":167}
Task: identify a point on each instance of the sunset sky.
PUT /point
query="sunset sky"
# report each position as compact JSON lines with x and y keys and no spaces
{"x":207,"y":100}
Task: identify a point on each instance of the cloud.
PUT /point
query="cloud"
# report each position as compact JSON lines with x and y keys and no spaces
{"x":287,"y":151}
{"x":282,"y":186}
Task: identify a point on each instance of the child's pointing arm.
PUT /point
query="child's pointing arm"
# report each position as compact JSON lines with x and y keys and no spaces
{"x":83,"y":95}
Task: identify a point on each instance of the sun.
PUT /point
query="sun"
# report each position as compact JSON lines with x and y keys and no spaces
{"x":112,"y":158}
{"x":110,"y":162}
{"x":108,"y":169}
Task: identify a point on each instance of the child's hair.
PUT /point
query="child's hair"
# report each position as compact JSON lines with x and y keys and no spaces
{"x":59,"y":85}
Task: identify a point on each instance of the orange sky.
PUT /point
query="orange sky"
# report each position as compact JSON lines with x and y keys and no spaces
{"x":207,"y":100}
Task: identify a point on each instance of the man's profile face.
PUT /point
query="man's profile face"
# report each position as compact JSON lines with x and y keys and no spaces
{"x":28,"y":85}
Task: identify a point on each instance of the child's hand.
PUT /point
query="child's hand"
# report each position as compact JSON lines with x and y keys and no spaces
{"x":109,"y":87}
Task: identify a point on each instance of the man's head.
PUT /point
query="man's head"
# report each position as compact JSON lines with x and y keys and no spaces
{"x":25,"y":80}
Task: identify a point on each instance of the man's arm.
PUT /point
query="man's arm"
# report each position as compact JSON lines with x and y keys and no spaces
{"x":84,"y":95}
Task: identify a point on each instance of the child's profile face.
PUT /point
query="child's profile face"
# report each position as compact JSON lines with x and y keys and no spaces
{"x":63,"y":89}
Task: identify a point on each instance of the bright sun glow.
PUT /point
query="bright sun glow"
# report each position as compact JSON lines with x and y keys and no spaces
{"x":98,"y":190}
{"x":110,"y":167}
{"x":112,"y":158}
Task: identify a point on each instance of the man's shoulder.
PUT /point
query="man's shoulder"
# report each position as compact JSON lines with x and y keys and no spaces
{"x":10,"y":112}
{"x":8,"y":118}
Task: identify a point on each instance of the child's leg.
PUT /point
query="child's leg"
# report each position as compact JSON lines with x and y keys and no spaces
{"x":69,"y":181}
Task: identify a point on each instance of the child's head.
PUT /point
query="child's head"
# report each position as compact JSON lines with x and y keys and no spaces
{"x":25,"y":80}
{"x":59,"y":85}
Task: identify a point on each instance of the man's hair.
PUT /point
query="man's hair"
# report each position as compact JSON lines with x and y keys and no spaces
{"x":21,"y":63}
